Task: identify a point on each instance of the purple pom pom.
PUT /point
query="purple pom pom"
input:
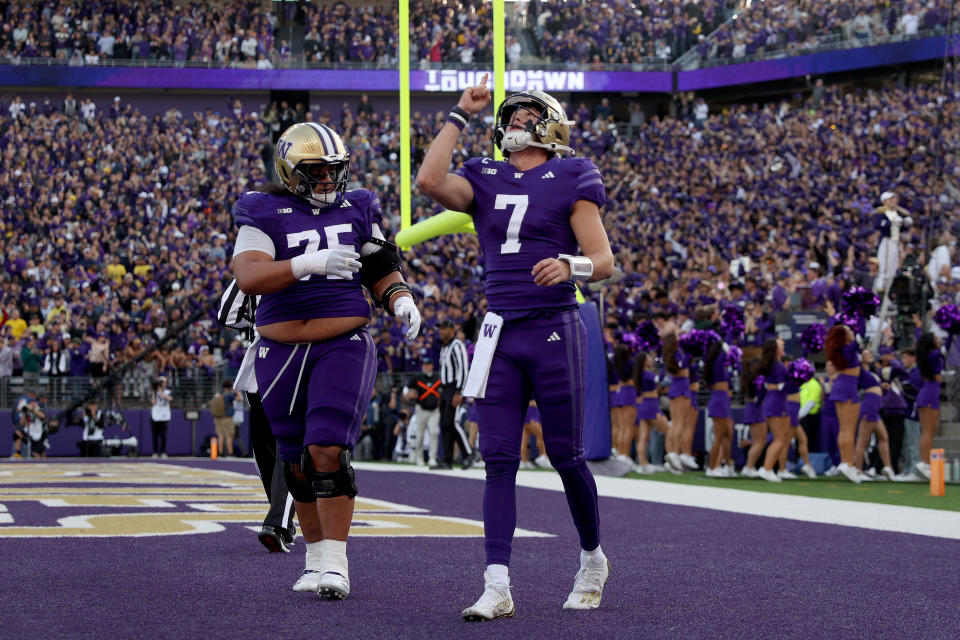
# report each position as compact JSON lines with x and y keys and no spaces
{"x":800,"y":370}
{"x":698,"y":341}
{"x":648,"y":337}
{"x":733,"y":357}
{"x":813,"y":338}
{"x":948,"y":317}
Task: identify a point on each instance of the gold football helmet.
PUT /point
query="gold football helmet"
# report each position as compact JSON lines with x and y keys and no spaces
{"x":551,"y":130}
{"x":313,"y":163}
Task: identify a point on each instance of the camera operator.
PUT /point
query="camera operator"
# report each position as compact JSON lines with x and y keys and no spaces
{"x":91,"y":445}
{"x":30,"y":422}
{"x":159,"y":416}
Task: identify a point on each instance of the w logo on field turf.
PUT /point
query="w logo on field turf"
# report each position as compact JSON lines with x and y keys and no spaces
{"x":554,"y":337}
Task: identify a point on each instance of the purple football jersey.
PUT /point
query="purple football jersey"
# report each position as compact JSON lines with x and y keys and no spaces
{"x":522,"y":218}
{"x":296,"y":227}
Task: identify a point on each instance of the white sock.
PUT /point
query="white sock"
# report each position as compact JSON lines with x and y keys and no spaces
{"x":334,"y":547}
{"x":314,"y":554}
{"x":593,"y":558}
{"x":497,"y":574}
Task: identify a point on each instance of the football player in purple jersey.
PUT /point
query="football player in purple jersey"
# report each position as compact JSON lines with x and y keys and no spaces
{"x":300,"y":246}
{"x":531,"y":214}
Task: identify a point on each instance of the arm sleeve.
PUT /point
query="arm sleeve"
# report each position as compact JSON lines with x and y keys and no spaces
{"x":250,"y":238}
{"x":369,"y":247}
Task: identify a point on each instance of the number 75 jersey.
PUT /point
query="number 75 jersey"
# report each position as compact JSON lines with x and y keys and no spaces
{"x":296,"y":227}
{"x":522,"y":218}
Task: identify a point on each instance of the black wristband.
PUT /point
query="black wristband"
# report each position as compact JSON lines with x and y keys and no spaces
{"x":392,"y":290}
{"x":458,"y":117}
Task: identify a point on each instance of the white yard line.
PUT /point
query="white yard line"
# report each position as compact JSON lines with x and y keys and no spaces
{"x":866,"y":515}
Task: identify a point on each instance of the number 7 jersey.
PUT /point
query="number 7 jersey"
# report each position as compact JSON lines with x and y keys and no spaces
{"x":522,"y":218}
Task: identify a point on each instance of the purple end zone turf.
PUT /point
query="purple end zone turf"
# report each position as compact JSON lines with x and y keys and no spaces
{"x":676,"y":572}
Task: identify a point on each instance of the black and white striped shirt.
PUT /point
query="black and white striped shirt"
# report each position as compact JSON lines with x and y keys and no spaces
{"x":237,"y":309}
{"x":453,"y":364}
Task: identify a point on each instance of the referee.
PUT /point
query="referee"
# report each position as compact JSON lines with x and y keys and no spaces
{"x":453,"y":375}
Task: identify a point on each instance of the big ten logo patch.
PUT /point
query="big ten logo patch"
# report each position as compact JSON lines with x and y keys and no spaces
{"x":137,"y":499}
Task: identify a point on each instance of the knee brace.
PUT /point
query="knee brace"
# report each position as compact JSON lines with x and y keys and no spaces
{"x":330,"y":484}
{"x":301,"y":490}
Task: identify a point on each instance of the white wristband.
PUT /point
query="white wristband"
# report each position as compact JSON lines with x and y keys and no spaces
{"x":581,"y":267}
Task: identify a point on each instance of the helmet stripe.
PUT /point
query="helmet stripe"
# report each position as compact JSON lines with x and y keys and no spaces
{"x":325,"y":141}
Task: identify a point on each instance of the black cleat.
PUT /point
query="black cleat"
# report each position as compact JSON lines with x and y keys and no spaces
{"x":471,"y":459}
{"x":273,"y":539}
{"x":289,"y":535}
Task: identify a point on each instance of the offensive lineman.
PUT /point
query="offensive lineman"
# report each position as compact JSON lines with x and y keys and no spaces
{"x":299,"y":246}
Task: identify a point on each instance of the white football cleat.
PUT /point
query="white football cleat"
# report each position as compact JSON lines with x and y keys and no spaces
{"x":496,"y":602}
{"x":334,"y":582}
{"x":588,"y":587}
{"x":809,"y":471}
{"x":309,"y":581}
{"x":689,"y":462}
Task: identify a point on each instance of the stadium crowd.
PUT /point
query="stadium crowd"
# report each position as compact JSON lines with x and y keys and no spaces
{"x":767,"y":207}
{"x":775,"y":199}
{"x":763,"y":27}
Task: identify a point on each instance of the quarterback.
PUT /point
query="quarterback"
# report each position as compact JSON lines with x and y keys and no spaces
{"x":531,"y":214}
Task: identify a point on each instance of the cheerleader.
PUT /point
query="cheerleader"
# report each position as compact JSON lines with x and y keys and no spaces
{"x":716,"y":375}
{"x":843,"y":352}
{"x":623,"y":403}
{"x":930,"y":364}
{"x":870,"y":422}
{"x":829,"y":424}
{"x":753,"y":389}
{"x":677,"y":364}
{"x":774,"y":405}
{"x":649,"y":415}
{"x":791,"y":390}
{"x":690,"y":423}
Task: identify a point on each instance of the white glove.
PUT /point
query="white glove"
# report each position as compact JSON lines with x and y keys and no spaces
{"x":341,"y":263}
{"x":406,"y":309}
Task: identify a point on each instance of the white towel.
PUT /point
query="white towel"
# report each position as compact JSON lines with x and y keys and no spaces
{"x":246,"y":378}
{"x":476,"y":385}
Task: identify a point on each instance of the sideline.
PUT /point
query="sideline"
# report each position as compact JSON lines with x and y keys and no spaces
{"x":846,"y":513}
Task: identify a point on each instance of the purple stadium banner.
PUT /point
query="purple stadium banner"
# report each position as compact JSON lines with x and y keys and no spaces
{"x":446,"y":80}
{"x":455,"y":80}
{"x":814,"y":64}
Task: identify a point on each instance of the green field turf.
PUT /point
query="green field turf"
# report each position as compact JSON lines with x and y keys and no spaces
{"x":907,"y":494}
